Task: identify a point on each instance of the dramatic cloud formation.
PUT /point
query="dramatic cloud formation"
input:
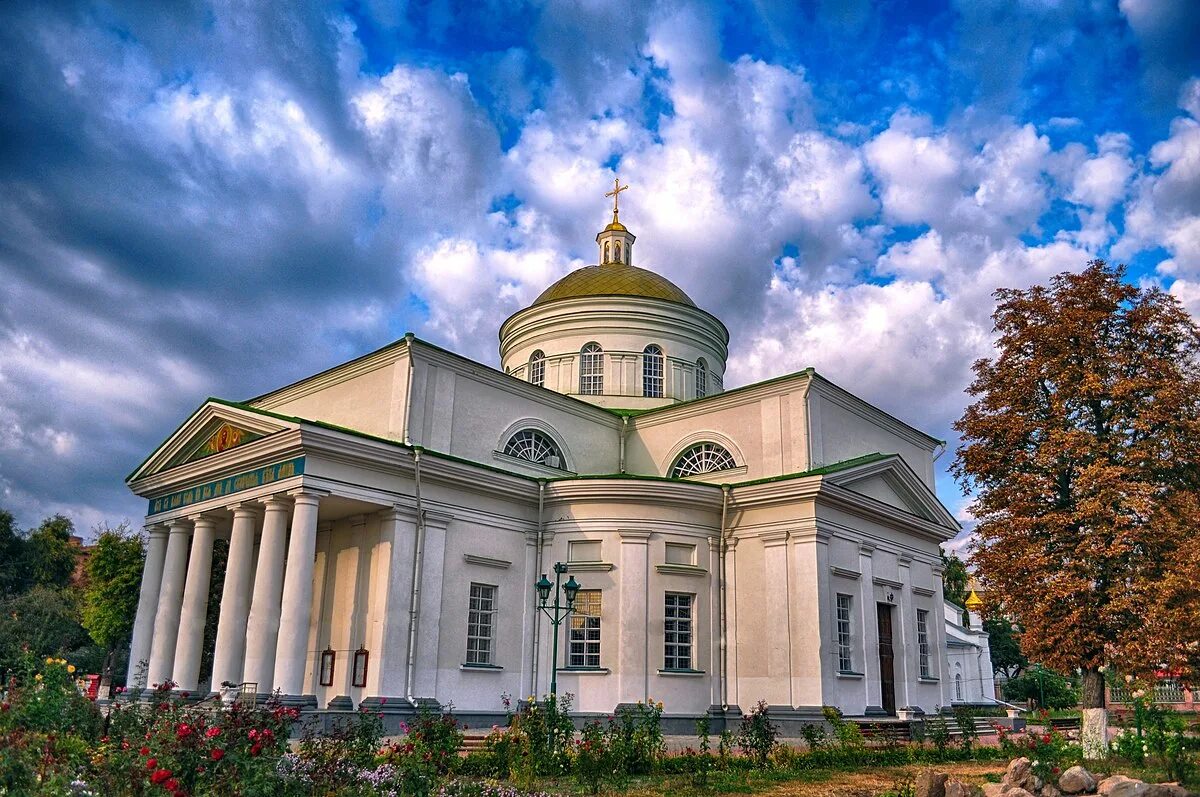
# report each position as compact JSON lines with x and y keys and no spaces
{"x":220,"y":198}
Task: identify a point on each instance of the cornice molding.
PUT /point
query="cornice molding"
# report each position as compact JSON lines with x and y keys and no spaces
{"x":748,"y":394}
{"x":635,"y":491}
{"x":486,"y":561}
{"x":845,"y":572}
{"x":373,"y":361}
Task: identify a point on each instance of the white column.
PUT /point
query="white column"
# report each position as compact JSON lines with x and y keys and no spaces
{"x":778,"y":652}
{"x":170,"y":600}
{"x":867,"y":652}
{"x":905,"y":633}
{"x":235,"y":598}
{"x":143,"y":625}
{"x":262,"y":629}
{"x":291,"y":655}
{"x":195,"y":605}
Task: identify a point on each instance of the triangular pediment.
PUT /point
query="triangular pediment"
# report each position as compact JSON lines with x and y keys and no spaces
{"x":891,"y":481}
{"x":215,"y":428}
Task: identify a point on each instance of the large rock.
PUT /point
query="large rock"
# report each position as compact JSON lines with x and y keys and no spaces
{"x":1019,"y":775}
{"x":1122,"y":786}
{"x":1016,"y":791}
{"x":1165,"y":790}
{"x":931,"y":784}
{"x":956,"y":788}
{"x":1049,"y":791}
{"x":1077,"y":780}
{"x":991,"y":789}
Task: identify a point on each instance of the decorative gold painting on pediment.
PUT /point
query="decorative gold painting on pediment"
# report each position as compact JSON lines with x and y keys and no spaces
{"x":223,"y":438}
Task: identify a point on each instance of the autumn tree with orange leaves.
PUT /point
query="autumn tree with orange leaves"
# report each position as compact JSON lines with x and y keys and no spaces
{"x":1082,"y":449}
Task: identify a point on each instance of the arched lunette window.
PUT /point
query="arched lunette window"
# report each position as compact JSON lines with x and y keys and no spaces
{"x":702,"y":458}
{"x":537,"y":368}
{"x":958,"y":687}
{"x":534,"y":446}
{"x":591,"y":370}
{"x":701,"y":378}
{"x":652,"y":371}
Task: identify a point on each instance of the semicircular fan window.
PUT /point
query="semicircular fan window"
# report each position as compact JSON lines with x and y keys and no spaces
{"x":702,"y":458}
{"x":534,"y":446}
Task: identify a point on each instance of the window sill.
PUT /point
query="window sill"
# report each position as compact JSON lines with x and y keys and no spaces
{"x":925,"y":680}
{"x":585,"y":670}
{"x":681,"y":672}
{"x":849,"y":674}
{"x":681,"y":570}
{"x":481,"y":667}
{"x":589,"y":567}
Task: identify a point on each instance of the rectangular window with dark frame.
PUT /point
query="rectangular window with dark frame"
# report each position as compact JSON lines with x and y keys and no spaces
{"x":677,"y":632}
{"x":844,"y":606}
{"x":923,"y":641}
{"x":583,"y":636}
{"x":481,"y":624}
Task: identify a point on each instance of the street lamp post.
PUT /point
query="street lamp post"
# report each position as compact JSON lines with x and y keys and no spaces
{"x":557,"y":613}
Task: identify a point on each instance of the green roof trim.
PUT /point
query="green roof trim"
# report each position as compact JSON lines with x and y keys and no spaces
{"x":824,"y":470}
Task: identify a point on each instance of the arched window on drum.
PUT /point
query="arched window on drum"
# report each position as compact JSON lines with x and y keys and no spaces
{"x":652,"y":371}
{"x":534,"y":446}
{"x":537,"y":368}
{"x":591,"y":370}
{"x":702,"y":458}
{"x":701,"y":378}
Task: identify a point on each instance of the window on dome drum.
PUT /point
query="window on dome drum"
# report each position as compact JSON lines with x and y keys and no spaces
{"x":923,"y":640}
{"x":845,"y":661}
{"x":702,"y":458}
{"x":583,"y":636}
{"x":591,"y":370}
{"x":652,"y":371}
{"x":480,"y":624}
{"x":701,"y":378}
{"x":534,"y":446}
{"x":537,"y":368}
{"x":677,"y":632}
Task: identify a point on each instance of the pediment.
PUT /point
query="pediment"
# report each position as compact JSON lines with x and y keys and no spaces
{"x":892,"y":482}
{"x":214,"y":428}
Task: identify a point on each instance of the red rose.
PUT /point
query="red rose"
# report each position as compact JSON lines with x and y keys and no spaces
{"x":217,"y":754}
{"x":144,"y":750}
{"x":151,"y":763}
{"x":159,"y":776}
{"x":255,"y":749}
{"x":179,"y":793}
{"x":212,"y":732}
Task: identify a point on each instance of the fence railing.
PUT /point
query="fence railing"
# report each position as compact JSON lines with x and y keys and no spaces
{"x":1165,"y":691}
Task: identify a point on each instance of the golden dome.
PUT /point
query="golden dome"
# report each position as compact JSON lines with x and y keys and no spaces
{"x":614,"y":279}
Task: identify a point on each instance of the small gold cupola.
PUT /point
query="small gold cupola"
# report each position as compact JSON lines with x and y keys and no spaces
{"x":616,"y":242}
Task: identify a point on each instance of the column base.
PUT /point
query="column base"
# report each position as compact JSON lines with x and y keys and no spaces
{"x":875,"y":711}
{"x":387,"y":705}
{"x":341,"y":703}
{"x":302,"y":702}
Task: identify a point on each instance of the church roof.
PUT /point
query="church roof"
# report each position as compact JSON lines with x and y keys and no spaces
{"x":614,"y":279}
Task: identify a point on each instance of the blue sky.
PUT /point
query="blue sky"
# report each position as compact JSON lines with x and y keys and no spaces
{"x":215,"y":199}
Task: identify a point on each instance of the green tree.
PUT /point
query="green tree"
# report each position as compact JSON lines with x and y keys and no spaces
{"x":1044,"y":687}
{"x":954,"y":584}
{"x":1005,"y":643}
{"x":14,"y":575}
{"x":110,"y":598}
{"x":44,"y":622}
{"x":50,"y":556}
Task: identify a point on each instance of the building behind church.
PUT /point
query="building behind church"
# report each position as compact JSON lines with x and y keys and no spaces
{"x":387,"y":520}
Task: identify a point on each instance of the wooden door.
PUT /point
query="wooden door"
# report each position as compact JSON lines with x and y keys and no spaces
{"x":887,"y":674}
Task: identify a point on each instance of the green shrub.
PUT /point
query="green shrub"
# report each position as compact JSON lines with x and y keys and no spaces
{"x":814,"y":735}
{"x":757,"y":735}
{"x":636,"y":738}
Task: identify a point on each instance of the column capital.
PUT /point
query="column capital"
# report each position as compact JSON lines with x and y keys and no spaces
{"x":307,"y":495}
{"x":634,"y":536}
{"x":772,"y":538}
{"x":278,"y":503}
{"x":202,"y":519}
{"x":180,"y":525}
{"x":245,"y":508}
{"x":156,"y":529}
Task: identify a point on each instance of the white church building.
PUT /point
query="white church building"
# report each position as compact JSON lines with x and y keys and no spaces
{"x":388,"y":518}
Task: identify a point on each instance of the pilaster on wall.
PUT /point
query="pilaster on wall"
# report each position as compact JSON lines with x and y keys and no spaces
{"x":634,"y":625}
{"x":429,"y":618}
{"x":905,"y":632}
{"x":813,"y":677}
{"x":941,"y":665}
{"x":868,"y":644}
{"x":731,"y":625}
{"x":778,"y":611}
{"x":397,"y":539}
{"x":714,"y":620}
{"x":317,"y":623}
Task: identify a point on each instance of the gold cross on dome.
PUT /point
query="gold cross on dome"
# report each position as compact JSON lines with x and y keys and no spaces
{"x":616,"y":194}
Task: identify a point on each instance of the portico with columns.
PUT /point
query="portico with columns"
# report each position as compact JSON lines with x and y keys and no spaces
{"x":381,"y":525}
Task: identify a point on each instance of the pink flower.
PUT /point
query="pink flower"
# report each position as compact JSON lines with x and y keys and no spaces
{"x":212,"y":732}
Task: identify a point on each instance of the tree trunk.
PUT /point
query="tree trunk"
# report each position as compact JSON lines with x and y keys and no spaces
{"x":1093,"y":735}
